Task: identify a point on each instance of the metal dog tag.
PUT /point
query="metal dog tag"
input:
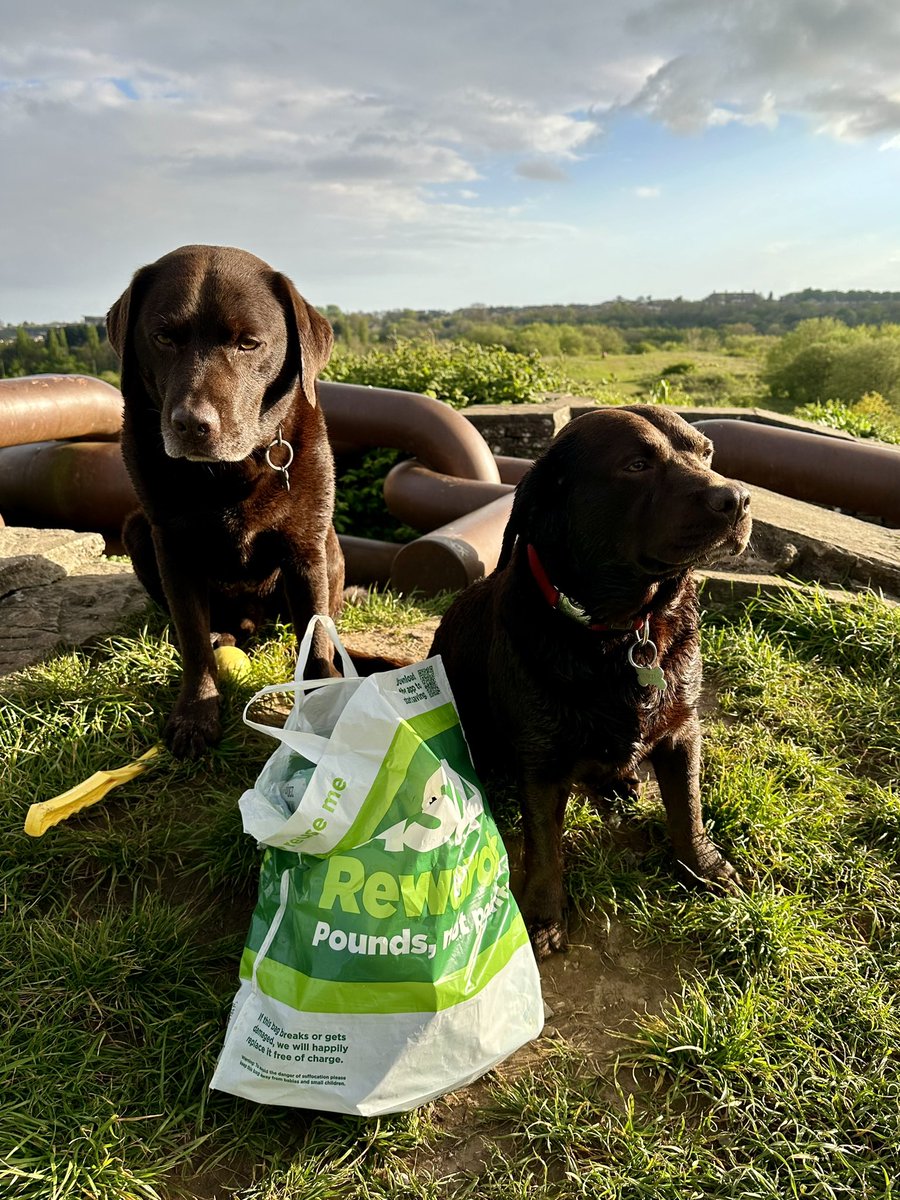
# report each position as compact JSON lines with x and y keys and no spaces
{"x":651,"y":677}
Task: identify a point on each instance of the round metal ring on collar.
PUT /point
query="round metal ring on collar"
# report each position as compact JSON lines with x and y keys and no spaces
{"x":278,"y":442}
{"x":650,"y":647}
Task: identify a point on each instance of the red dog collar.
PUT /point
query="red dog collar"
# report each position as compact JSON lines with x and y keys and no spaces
{"x":562,"y":603}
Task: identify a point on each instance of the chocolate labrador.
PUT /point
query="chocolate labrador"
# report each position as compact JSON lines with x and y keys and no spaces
{"x":226,"y":446}
{"x":578,"y":658}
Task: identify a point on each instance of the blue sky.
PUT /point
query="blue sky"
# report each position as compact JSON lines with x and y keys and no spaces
{"x":389,"y":153}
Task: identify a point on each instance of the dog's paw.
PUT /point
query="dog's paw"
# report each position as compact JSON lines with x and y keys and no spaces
{"x":190,"y":731}
{"x":548,"y":937}
{"x":708,"y":866}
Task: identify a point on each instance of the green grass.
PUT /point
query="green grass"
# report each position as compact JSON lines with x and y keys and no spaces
{"x":771,"y":1072}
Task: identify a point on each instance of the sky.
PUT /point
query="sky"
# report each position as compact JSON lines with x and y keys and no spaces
{"x":439,"y":153}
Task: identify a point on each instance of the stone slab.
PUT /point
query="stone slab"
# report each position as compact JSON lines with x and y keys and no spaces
{"x":722,"y":587}
{"x":525,"y":430}
{"x":70,"y":595}
{"x":814,"y":543}
{"x":35,"y":557}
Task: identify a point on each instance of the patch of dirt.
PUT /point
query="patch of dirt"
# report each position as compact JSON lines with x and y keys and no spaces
{"x":223,"y":1183}
{"x":604,"y":982}
{"x":410,"y":643}
{"x":592,"y":994}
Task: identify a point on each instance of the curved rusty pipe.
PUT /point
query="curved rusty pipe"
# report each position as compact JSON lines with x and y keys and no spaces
{"x":426,"y":499}
{"x":455,"y":554}
{"x":435,"y":433}
{"x":39,"y":408}
{"x":85,"y":484}
{"x":823,"y":470}
{"x":512,"y":469}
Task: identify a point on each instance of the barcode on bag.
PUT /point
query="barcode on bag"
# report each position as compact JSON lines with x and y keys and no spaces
{"x":426,"y":674}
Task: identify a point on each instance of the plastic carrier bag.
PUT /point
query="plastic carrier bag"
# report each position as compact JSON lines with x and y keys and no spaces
{"x":387,"y":961}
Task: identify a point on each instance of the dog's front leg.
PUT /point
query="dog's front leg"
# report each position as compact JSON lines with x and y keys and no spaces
{"x":194,"y":724}
{"x":543,"y":902}
{"x":306,"y":586}
{"x":676,"y":761}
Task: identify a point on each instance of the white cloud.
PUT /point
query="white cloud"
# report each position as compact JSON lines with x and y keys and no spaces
{"x":648,"y":193}
{"x":126,"y":129}
{"x":543,"y":169}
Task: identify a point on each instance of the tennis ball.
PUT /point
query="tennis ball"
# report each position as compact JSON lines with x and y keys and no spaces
{"x":232,"y":661}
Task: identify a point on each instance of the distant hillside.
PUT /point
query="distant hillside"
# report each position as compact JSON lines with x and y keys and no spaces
{"x":737,"y":312}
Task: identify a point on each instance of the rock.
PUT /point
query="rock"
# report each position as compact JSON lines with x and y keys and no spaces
{"x":721,"y":587}
{"x":57,"y":590}
{"x":33,"y":557}
{"x":816,"y":543}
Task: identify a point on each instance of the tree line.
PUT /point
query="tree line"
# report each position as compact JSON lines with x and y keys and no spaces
{"x":619,"y":325}
{"x":59,"y":350}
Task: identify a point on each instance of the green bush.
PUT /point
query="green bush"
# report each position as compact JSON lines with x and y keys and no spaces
{"x":680,"y":368}
{"x":459,"y":373}
{"x":823,"y":360}
{"x":870,"y":417}
{"x":716,"y":386}
{"x":711,"y":386}
{"x":359,"y":507}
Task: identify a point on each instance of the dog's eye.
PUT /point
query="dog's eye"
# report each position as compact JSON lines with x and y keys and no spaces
{"x":163,"y":339}
{"x":248,"y":343}
{"x":638,"y":464}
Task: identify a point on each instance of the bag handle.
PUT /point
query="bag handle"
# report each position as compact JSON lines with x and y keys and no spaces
{"x":305,"y":648}
{"x":310,"y":745}
{"x":283,"y":891}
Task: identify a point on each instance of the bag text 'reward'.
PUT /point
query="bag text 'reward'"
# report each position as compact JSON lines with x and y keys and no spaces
{"x":380,"y":892}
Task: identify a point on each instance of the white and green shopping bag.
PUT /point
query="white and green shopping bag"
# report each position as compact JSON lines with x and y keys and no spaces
{"x":387,"y":962}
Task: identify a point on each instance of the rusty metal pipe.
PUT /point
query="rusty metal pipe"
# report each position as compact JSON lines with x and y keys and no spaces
{"x":512,"y":469}
{"x":83,"y":484}
{"x":367,"y":560}
{"x":39,"y":408}
{"x":848,"y":475}
{"x":429,"y":430}
{"x":454,"y":555}
{"x":426,"y":499}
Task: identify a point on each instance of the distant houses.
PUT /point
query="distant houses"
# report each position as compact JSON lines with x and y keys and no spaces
{"x":727,"y":298}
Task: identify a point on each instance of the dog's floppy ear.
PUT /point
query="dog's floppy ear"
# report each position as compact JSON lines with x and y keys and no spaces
{"x":521,"y":518}
{"x":314,"y":335}
{"x":117,"y":321}
{"x":538,"y":511}
{"x":119,"y":316}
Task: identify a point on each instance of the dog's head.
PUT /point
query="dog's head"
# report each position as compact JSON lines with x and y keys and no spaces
{"x":628,"y":491}
{"x":221,"y":345}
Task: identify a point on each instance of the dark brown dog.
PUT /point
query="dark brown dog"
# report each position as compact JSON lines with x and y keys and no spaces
{"x":226,"y":446}
{"x":597,"y":556}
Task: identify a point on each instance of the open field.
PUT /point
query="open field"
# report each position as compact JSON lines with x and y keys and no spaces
{"x":710,"y":378}
{"x":700,"y":1045}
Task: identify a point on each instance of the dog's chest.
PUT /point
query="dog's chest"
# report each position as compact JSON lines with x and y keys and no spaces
{"x":231,"y":549}
{"x":598,"y":714}
{"x":609,"y":724}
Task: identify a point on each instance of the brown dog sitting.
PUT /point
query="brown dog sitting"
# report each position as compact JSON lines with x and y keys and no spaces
{"x":226,"y":446}
{"x":578,"y":658}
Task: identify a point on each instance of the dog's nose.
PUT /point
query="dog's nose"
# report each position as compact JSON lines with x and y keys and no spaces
{"x":730,"y":499}
{"x":195,"y":420}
